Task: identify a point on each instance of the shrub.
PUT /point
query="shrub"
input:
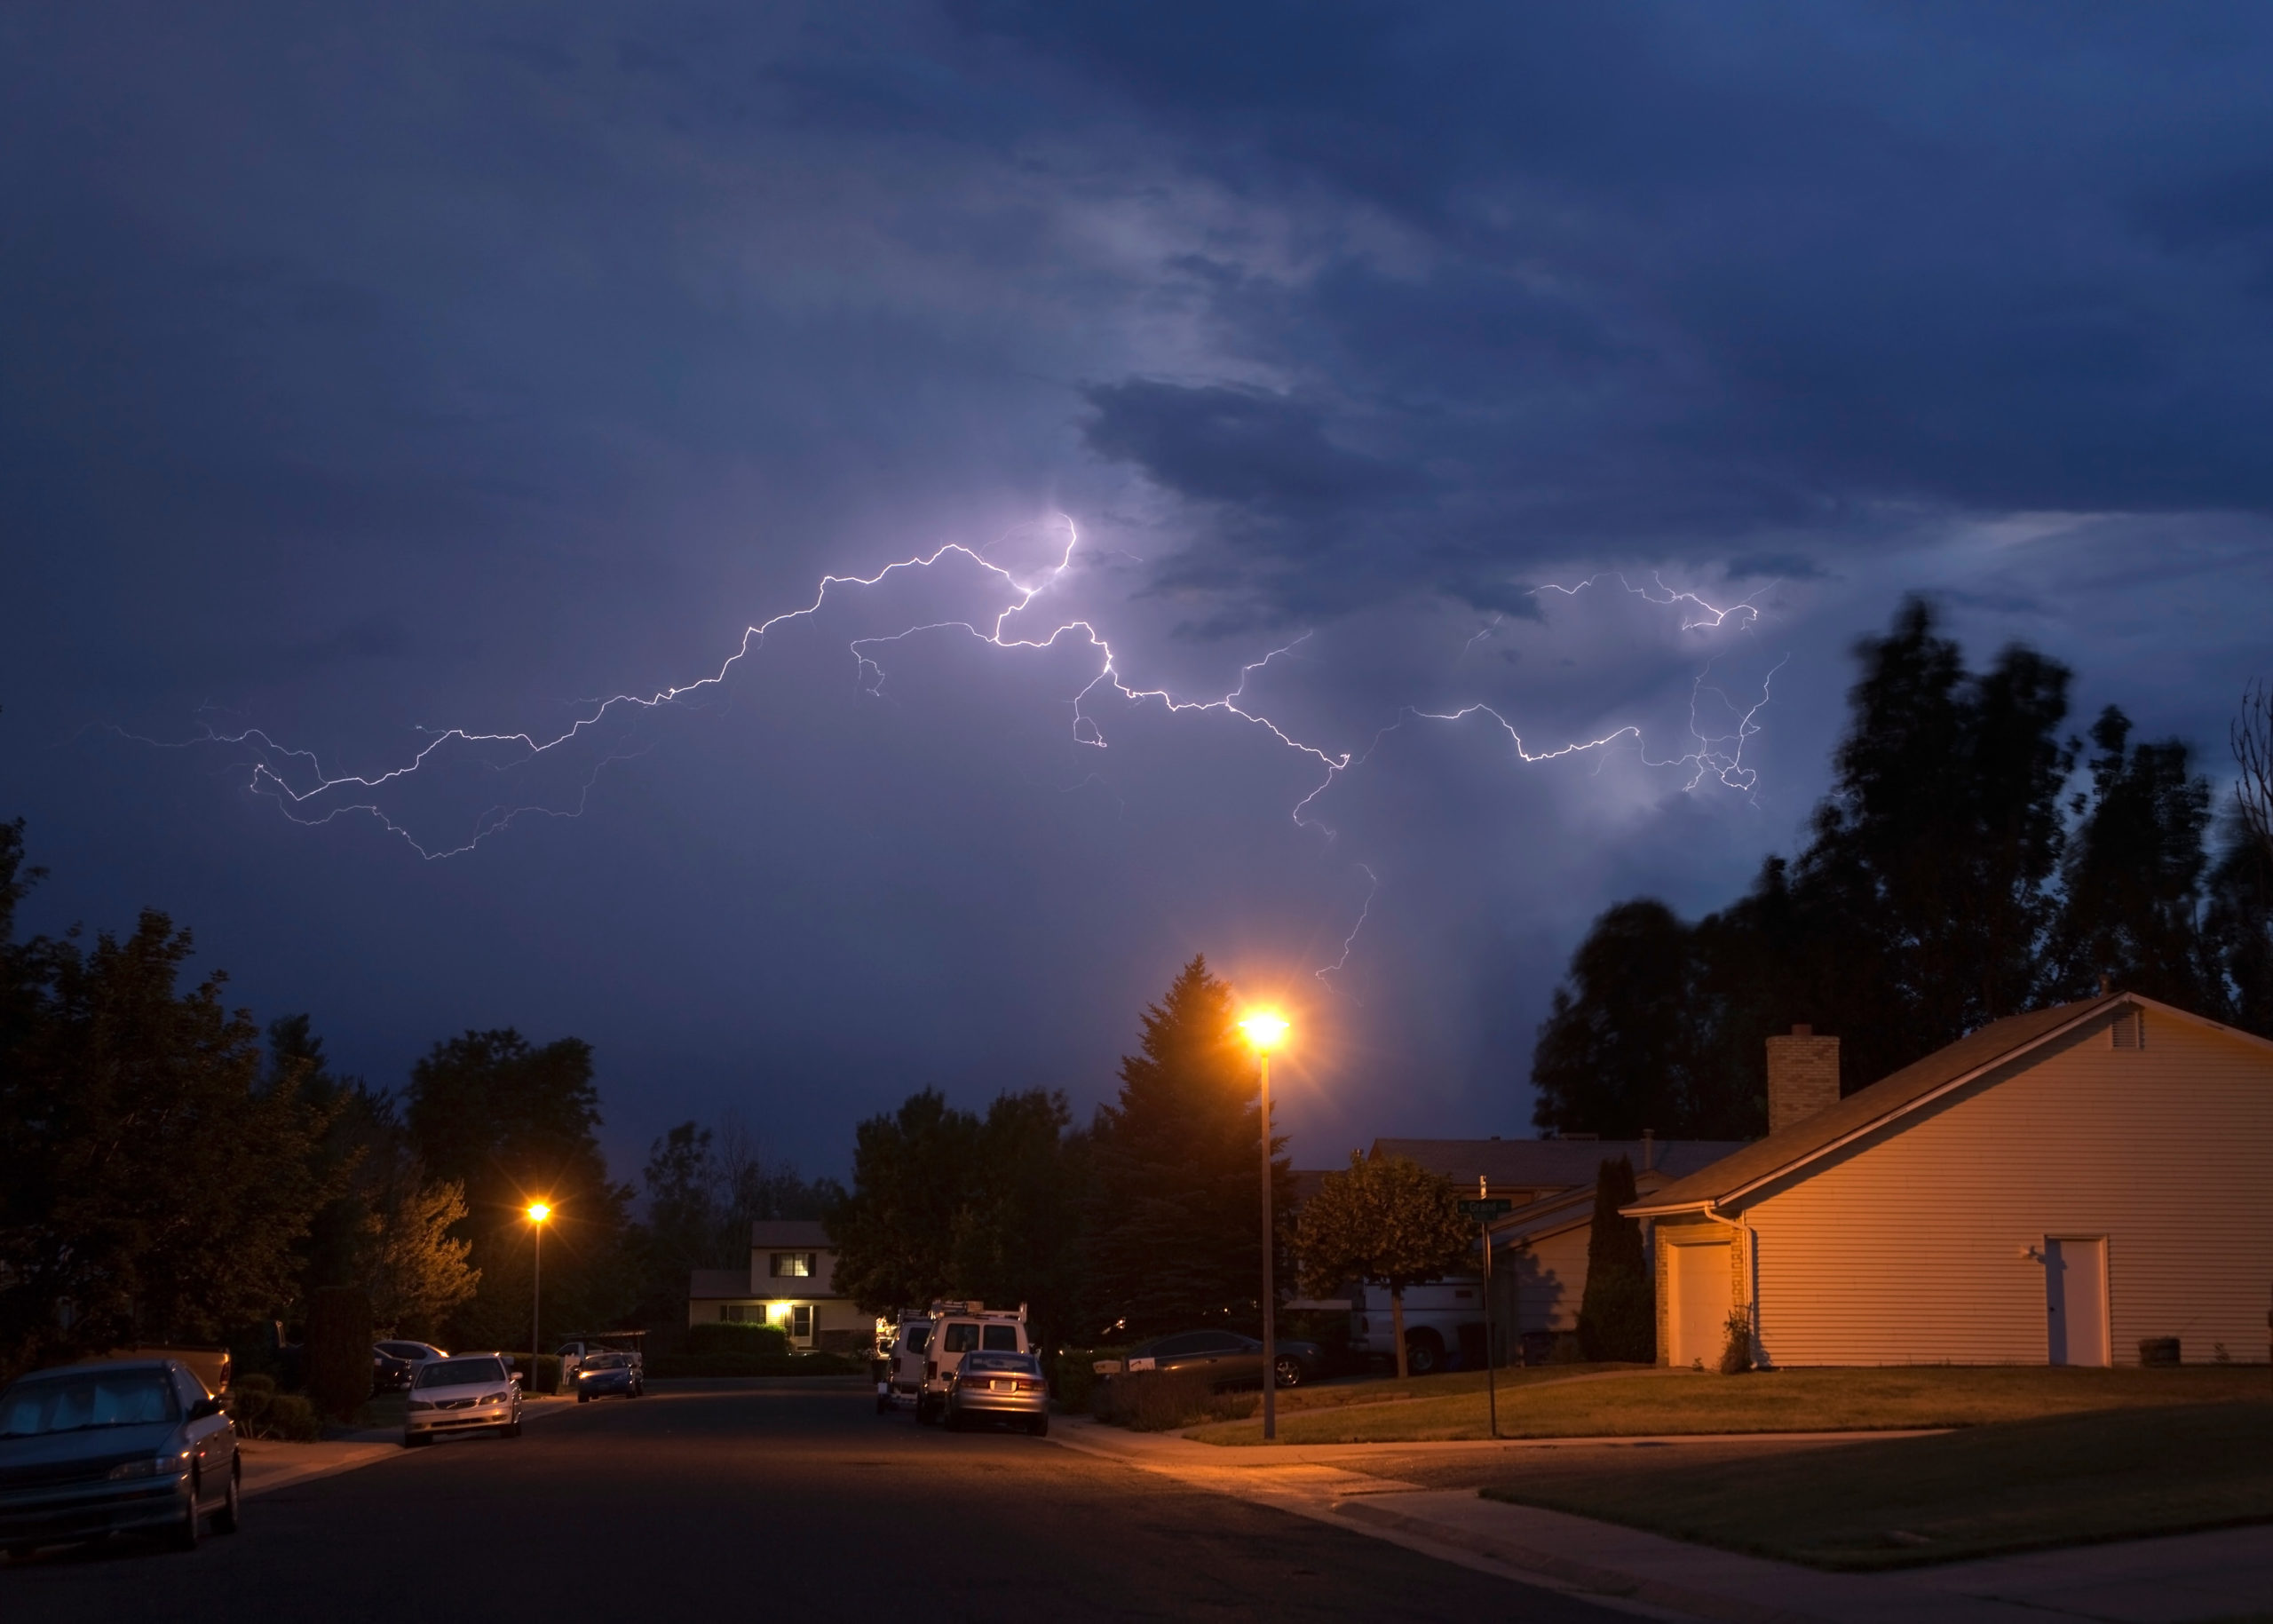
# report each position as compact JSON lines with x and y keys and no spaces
{"x":1074,"y":1379}
{"x":732,"y":1336}
{"x":1162,"y":1400}
{"x":1736,"y":1356}
{"x":260,"y":1412}
{"x":339,"y":1350}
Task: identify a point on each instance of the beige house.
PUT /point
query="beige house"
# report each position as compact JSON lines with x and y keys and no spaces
{"x":790,"y":1283}
{"x":2054,"y":1188}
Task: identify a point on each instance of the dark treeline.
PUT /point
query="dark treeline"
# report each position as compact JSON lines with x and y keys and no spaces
{"x":170,"y":1174}
{"x":1145,"y":1220}
{"x":1970,"y":862}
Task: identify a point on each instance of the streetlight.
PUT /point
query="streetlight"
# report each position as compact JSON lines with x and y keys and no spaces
{"x":538,"y":1212}
{"x":1265,"y":1030}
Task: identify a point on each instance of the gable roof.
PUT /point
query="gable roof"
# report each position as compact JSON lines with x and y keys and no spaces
{"x":1550,"y":1164}
{"x":1560,"y":1211}
{"x":1914,"y":1086}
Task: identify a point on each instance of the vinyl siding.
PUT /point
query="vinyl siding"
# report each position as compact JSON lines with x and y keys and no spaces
{"x":1912,"y":1245}
{"x":1550,"y":1276}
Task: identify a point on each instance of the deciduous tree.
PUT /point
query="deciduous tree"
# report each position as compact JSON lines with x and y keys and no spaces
{"x":1388,"y":1221}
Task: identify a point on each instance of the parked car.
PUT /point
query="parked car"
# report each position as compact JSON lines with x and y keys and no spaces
{"x":608,"y":1371}
{"x":991,"y":1387}
{"x":958,"y":1329}
{"x":470,"y":1393}
{"x":130,"y":1446}
{"x":394,"y":1363}
{"x":1231,"y":1359}
{"x":577,"y":1349}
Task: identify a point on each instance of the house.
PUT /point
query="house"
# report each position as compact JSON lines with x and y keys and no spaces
{"x":1539,"y":1250}
{"x":2058,"y":1187}
{"x":790,"y":1283}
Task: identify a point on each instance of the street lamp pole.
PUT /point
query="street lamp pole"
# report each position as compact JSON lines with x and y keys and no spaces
{"x":1270,"y":1295}
{"x":538,"y":1213}
{"x":1264,"y":1030}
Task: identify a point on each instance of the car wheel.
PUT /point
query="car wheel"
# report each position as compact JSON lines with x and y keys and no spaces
{"x":183,"y":1535}
{"x":1423,"y":1357}
{"x":1038,"y":1426}
{"x":230,"y":1518}
{"x":1290,"y":1373}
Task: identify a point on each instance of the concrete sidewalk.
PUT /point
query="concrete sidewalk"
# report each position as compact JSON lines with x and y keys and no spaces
{"x":2164,"y":1580}
{"x":271,"y":1465}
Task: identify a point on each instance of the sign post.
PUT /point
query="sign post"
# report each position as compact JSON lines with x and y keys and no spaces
{"x":1483,"y":1209}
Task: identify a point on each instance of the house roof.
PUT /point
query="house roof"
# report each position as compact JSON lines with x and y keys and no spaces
{"x":1997,"y":1043}
{"x":1561,"y":1211}
{"x":719,"y":1283}
{"x":790,"y":1233}
{"x":1551,"y":1164}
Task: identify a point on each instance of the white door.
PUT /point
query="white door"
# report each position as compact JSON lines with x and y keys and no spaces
{"x":2075,"y":1301}
{"x":1701,"y":1303}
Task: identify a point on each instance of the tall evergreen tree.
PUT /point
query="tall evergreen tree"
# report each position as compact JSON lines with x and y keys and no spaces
{"x":1176,"y":1166}
{"x":2134,"y":871}
{"x":1617,"y":1316}
{"x":510,"y":1123}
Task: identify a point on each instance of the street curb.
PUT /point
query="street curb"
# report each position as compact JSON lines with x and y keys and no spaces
{"x":366,"y":1451}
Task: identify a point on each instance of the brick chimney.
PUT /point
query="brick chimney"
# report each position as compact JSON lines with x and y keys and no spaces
{"x":1802,"y":1076}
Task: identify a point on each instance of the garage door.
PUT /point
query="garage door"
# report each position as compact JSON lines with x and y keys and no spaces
{"x":1701,"y":1303}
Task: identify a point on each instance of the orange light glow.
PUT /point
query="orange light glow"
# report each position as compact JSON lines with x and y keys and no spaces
{"x":539,"y":1211}
{"x":1265,"y":1029}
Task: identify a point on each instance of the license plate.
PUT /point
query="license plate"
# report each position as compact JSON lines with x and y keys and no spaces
{"x":1001,"y":1387}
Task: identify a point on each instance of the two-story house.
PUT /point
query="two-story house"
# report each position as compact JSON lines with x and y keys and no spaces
{"x":790,"y":1283}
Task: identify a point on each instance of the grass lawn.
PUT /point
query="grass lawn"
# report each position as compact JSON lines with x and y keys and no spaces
{"x":2013,"y":1485}
{"x":1641,"y":1403}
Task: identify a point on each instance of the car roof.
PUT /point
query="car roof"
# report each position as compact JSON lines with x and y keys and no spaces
{"x":86,"y":1365}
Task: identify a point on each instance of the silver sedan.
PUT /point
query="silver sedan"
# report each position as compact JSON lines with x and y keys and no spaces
{"x":992,"y":1387}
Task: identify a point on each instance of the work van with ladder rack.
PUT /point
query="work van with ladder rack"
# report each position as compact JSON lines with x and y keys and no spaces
{"x":929,"y":1348}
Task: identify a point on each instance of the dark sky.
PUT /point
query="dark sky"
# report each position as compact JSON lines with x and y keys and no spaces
{"x":367,"y":374}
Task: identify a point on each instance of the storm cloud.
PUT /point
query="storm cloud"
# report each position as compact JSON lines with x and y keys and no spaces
{"x":372,"y":376}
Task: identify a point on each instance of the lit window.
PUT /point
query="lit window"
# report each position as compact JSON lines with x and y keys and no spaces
{"x":795,"y":1265}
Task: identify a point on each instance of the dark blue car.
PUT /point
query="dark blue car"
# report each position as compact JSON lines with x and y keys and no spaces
{"x":608,"y":1371}
{"x":132,"y":1447}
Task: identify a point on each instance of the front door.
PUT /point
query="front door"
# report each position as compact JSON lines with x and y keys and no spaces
{"x":2075,"y":1300}
{"x":1700,"y":1304}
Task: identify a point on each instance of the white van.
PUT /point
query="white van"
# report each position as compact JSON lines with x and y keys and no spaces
{"x":931,"y":1350}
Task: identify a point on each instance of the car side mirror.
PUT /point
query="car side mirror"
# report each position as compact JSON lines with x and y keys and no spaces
{"x":204,"y":1407}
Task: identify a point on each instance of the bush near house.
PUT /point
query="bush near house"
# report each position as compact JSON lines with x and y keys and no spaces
{"x":732,"y":1336}
{"x":260,"y":1412}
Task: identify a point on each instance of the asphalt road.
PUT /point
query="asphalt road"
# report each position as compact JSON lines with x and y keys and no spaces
{"x":772,"y":1502}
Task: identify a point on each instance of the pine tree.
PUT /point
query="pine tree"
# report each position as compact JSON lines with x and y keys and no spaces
{"x":1617,"y":1317}
{"x":1176,"y":1167}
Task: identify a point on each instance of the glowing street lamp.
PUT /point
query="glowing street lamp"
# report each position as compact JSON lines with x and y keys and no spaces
{"x":1266,"y":1030}
{"x":538,"y":1212}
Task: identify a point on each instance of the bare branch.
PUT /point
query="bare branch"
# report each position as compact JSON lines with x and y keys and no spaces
{"x":2253,"y":742}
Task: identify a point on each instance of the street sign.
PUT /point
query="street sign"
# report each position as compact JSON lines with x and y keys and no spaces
{"x":1485,"y":1211}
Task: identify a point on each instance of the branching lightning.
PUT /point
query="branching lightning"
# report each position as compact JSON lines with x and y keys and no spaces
{"x":295,"y":779}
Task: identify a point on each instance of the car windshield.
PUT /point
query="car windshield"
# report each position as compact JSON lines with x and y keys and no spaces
{"x":74,"y":1404}
{"x":607,"y":1361}
{"x":1023,"y":1363}
{"x":460,"y":1372}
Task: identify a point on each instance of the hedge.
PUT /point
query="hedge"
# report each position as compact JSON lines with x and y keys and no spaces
{"x":260,"y":1412}
{"x":1162,"y":1400}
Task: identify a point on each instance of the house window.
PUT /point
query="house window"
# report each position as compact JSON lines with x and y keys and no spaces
{"x":795,"y":1265}
{"x":801,"y":1321}
{"x":743,"y":1313}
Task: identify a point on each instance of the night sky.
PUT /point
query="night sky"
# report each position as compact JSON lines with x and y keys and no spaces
{"x":371,"y":373}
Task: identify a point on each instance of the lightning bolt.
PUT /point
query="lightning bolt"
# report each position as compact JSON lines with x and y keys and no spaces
{"x":295,"y":778}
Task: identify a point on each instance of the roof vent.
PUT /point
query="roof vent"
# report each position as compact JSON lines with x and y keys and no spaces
{"x":2130,"y":1030}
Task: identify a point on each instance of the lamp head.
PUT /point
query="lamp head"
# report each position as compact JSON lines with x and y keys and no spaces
{"x":539,"y":1211}
{"x":1265,"y":1030}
